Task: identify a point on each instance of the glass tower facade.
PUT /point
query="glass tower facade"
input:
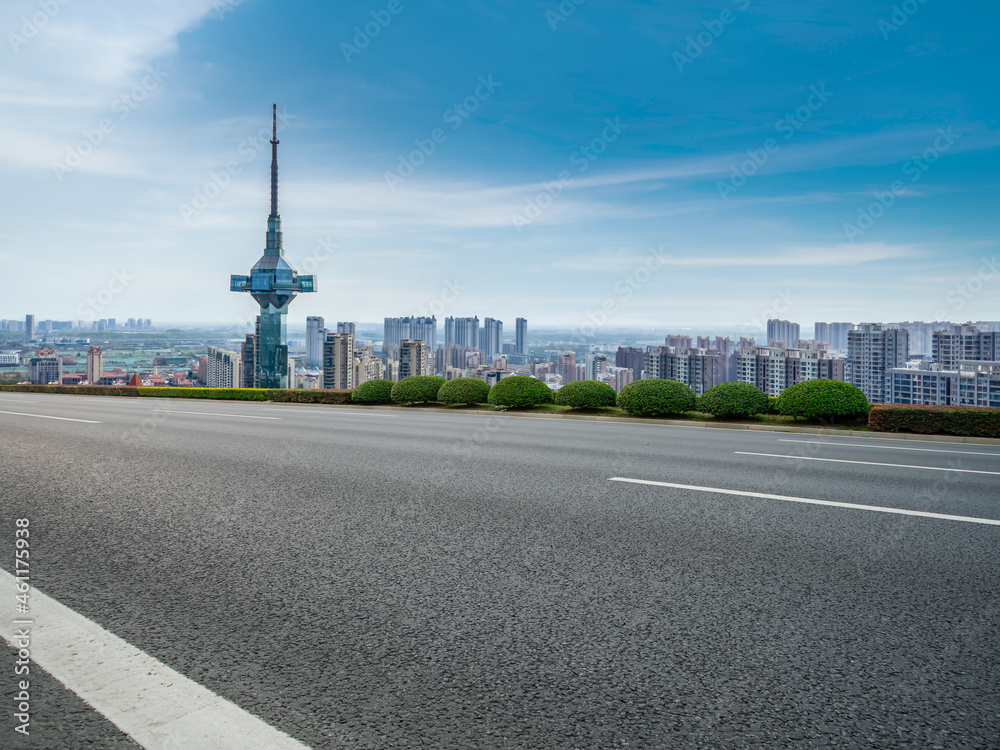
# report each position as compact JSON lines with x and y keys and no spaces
{"x":273,"y":284}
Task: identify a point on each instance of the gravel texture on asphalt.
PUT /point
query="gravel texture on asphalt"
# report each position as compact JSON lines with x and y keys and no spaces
{"x":453,"y":581}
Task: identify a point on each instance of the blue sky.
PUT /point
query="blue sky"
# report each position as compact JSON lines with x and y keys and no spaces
{"x":702,"y":165}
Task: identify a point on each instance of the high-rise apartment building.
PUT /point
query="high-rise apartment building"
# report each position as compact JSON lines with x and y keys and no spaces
{"x":964,"y":342}
{"x":632,"y":358}
{"x":338,"y":361}
{"x":461,"y":332}
{"x":412,"y":359}
{"x":679,"y":341}
{"x":95,"y":364}
{"x":782,"y":331}
{"x":692,"y":366}
{"x":224,"y":368}
{"x":315,"y":338}
{"x":348,"y":327}
{"x":29,"y":328}
{"x":566,"y":367}
{"x":492,"y":338}
{"x":774,"y":368}
{"x":971,"y":383}
{"x":872,"y":350}
{"x":521,"y":336}
{"x":409,"y":328}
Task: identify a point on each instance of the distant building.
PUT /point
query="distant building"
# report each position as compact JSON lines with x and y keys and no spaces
{"x":224,"y":368}
{"x":566,"y":367}
{"x":632,"y":358}
{"x":873,"y":350}
{"x":774,"y":368}
{"x":412,"y":360}
{"x":461,"y":332}
{"x":29,"y":328}
{"x":10,"y":358}
{"x":678,"y":341}
{"x":248,"y":361}
{"x":338,"y":361}
{"x":45,"y":367}
{"x":95,"y":364}
{"x":315,"y":339}
{"x":521,"y":336}
{"x":348,"y":327}
{"x":782,"y":331}
{"x":964,"y":343}
{"x":491,"y":338}
{"x":972,"y":383}
{"x":689,"y":365}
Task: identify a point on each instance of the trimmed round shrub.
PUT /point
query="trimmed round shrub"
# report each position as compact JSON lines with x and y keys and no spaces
{"x":733,"y":400}
{"x":586,"y":394}
{"x":417,"y":389}
{"x":655,"y":397}
{"x":520,"y":391}
{"x":373,"y":392}
{"x":464,"y":391}
{"x":823,"y":399}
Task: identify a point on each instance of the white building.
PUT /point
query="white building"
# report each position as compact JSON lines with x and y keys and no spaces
{"x":225,"y":369}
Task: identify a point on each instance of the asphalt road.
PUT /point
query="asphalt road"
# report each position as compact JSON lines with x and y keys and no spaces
{"x":413,"y":578}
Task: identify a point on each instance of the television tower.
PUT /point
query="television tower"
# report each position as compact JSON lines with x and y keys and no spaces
{"x":273,"y":283}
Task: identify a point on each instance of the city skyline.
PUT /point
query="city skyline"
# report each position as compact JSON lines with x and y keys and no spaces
{"x":698,"y":191}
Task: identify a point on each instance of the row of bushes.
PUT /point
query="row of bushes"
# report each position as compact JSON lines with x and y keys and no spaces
{"x":816,"y":399}
{"x":80,"y":390}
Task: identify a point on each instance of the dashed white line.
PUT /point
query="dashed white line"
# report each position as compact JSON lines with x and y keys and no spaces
{"x":866,"y":463}
{"x":809,"y":501}
{"x":152,"y":703}
{"x":890,"y":447}
{"x":46,"y":416}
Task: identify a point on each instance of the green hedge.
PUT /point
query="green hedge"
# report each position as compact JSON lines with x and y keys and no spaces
{"x":733,"y":400}
{"x":968,"y":421}
{"x":310,"y":396}
{"x":656,"y":398}
{"x":520,"y":392}
{"x":586,"y":394}
{"x":772,"y":405}
{"x":222,"y":394}
{"x":823,"y":399}
{"x":373,"y":392}
{"x":421,"y":389}
{"x":79,"y":390}
{"x":464,"y":391}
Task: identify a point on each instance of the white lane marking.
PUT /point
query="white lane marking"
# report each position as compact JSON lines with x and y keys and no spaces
{"x":155,"y":705}
{"x":831,"y":503}
{"x":891,"y":447}
{"x":45,"y":416}
{"x":216,"y":414}
{"x":866,"y":463}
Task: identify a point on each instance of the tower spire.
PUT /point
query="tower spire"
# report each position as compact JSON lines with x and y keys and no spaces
{"x":274,"y":162}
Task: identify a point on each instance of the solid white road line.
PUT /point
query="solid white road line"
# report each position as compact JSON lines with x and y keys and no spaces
{"x":158,"y":707}
{"x":890,"y":447}
{"x":866,"y":463}
{"x":45,"y":416}
{"x":215,"y":414}
{"x":831,"y":503}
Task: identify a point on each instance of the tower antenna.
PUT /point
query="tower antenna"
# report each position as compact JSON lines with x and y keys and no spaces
{"x":274,"y":161}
